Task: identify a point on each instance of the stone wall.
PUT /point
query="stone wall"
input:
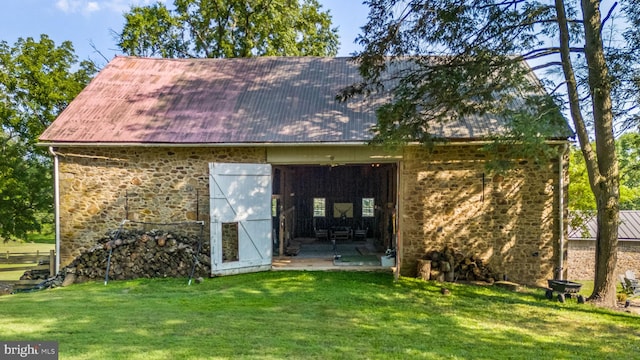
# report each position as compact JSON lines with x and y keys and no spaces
{"x":448,"y":199}
{"x":99,"y":187}
{"x":230,"y":250}
{"x":581,"y":257}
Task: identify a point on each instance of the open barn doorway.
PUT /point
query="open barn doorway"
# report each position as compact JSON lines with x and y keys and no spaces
{"x":321,"y":211}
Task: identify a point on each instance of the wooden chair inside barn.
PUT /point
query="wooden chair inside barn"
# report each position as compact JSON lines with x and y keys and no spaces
{"x":321,"y":229}
{"x":340,"y":233}
{"x":360,"y":232}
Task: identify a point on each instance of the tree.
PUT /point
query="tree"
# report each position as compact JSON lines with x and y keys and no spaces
{"x":628,"y":149}
{"x":581,"y":197}
{"x":465,"y":52}
{"x":152,"y":31}
{"x":25,"y":189}
{"x":223,"y":28}
{"x":37,"y":81}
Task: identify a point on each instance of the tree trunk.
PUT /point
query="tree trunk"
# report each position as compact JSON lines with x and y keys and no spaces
{"x":607,"y":197}
{"x":602,"y":164}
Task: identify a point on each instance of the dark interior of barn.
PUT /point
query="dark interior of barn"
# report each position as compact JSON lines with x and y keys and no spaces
{"x":343,"y":203}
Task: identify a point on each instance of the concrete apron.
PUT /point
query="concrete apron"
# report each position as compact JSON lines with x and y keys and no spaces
{"x":320,"y":255}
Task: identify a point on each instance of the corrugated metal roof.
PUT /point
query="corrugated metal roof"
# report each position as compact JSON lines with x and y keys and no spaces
{"x":628,"y":230}
{"x":242,"y":100}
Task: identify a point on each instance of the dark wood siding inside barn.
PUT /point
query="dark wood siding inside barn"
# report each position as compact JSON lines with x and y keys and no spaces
{"x":299,"y":185}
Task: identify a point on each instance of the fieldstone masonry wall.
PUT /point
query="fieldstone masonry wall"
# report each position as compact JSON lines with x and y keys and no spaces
{"x":447,"y":199}
{"x":230,"y":251}
{"x":99,"y":187}
{"x":510,"y":221}
{"x":581,"y":258}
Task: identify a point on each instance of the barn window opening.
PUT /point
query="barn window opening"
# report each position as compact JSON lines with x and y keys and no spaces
{"x":368,"y":207}
{"x":319,"y":207}
{"x":274,"y":206}
{"x":230,"y":247}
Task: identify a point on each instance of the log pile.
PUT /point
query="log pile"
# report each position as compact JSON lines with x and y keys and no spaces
{"x":139,"y":254}
{"x":448,"y":265}
{"x":35,"y":274}
{"x":40,"y":273}
{"x":6,"y":289}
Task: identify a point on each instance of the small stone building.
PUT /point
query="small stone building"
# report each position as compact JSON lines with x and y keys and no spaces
{"x":581,"y":254}
{"x":235,"y":143}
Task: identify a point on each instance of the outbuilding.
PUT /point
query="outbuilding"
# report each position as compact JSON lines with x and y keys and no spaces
{"x":582,"y":233}
{"x":236,"y":143}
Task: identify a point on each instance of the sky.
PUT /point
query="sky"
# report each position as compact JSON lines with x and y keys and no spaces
{"x":86,"y":22}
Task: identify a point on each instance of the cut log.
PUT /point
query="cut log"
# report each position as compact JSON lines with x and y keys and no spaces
{"x":449,"y":276}
{"x":424,"y":269}
{"x":445,"y":266}
{"x":450,"y":265}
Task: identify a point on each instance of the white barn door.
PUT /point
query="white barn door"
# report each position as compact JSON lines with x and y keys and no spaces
{"x":240,"y":198}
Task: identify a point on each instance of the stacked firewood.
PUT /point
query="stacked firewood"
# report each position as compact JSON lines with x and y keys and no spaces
{"x":448,"y":265}
{"x":35,"y":274}
{"x":138,"y":254}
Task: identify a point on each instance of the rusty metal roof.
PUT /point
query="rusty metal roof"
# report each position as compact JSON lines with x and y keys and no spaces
{"x":216,"y":101}
{"x":628,"y":230}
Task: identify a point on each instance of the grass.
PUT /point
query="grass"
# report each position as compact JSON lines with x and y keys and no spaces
{"x":45,"y":236}
{"x":312,"y":315}
{"x":21,"y":247}
{"x":41,"y":238}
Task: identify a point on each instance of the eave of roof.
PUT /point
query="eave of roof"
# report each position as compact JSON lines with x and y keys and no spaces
{"x":628,"y":230}
{"x":472,"y":142}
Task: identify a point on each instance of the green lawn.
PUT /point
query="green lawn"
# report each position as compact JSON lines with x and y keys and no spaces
{"x":20,"y":247}
{"x":313,"y":315}
{"x":23,"y":247}
{"x":42,"y":238}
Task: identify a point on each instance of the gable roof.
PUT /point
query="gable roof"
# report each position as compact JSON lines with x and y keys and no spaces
{"x":238,"y":101}
{"x":628,"y":230}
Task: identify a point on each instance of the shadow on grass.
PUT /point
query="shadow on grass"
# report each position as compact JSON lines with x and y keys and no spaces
{"x":326,"y":315}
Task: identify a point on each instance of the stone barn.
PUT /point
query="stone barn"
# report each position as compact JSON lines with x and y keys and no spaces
{"x":260,"y":151}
